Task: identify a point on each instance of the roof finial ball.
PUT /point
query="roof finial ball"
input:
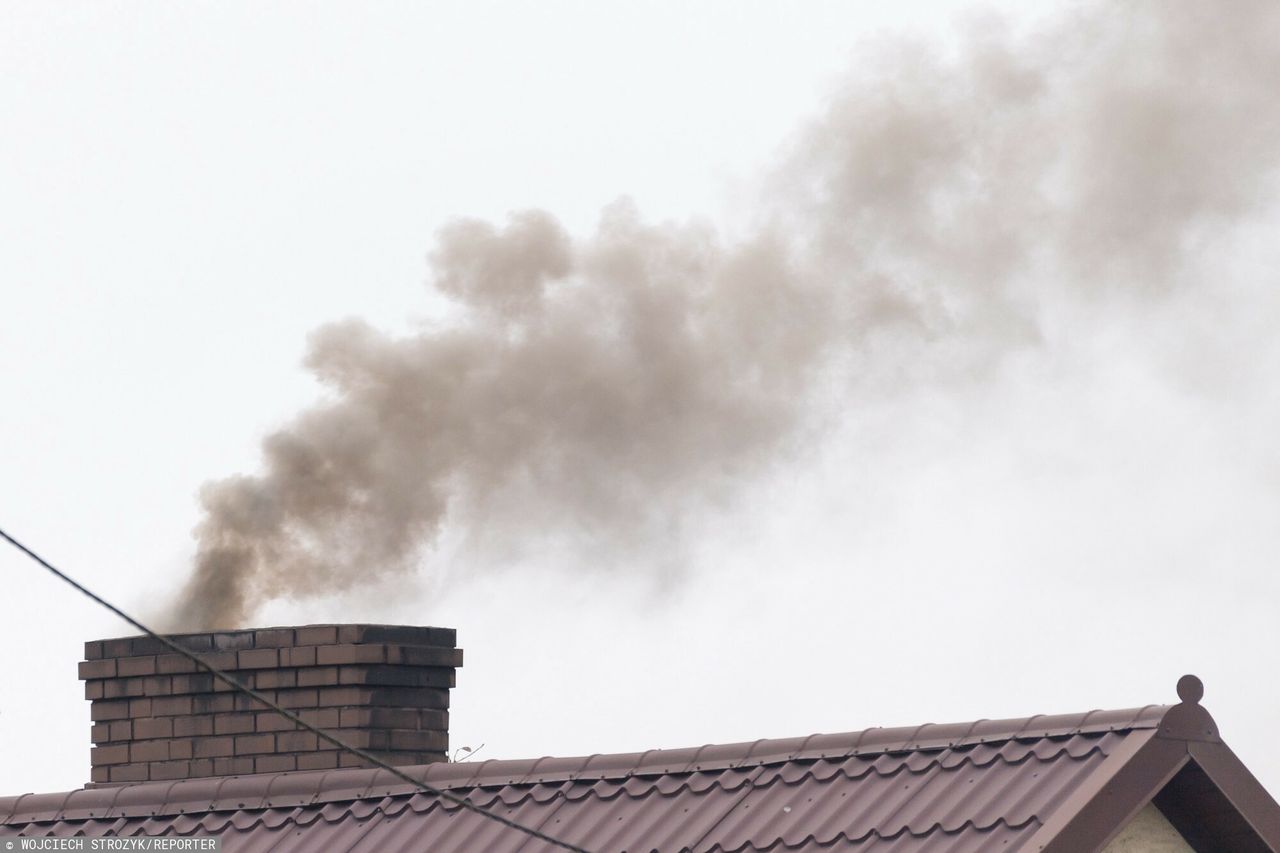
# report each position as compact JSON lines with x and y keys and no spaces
{"x":1190,"y":689}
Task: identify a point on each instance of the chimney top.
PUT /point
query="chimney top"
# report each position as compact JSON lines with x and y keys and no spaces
{"x":156,"y":715}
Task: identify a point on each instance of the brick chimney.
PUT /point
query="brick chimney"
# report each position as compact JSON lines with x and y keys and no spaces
{"x":383,"y":688}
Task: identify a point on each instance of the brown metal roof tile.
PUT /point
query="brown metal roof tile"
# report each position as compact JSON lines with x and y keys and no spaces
{"x":1147,"y":717}
{"x":782,"y":749}
{"x":340,"y":785}
{"x":959,"y":788}
{"x":720,"y":757}
{"x":612,"y":764}
{"x":42,"y":807}
{"x":89,"y":802}
{"x":661,"y":761}
{"x":550,"y":768}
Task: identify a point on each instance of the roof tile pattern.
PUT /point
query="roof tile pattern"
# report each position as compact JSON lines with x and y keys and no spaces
{"x":981,"y":786}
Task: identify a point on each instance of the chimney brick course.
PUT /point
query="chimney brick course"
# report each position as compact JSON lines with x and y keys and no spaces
{"x":158,"y":716}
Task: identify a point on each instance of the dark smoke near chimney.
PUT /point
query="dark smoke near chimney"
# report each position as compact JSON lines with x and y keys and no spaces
{"x":602,"y":387}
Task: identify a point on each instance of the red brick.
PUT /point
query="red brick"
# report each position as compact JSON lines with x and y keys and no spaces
{"x":212,"y":704}
{"x":168,"y":706}
{"x":129,"y":773}
{"x":295,"y":741}
{"x":385,"y":686}
{"x":273,"y":637}
{"x":157,"y":685}
{"x":275,"y":678}
{"x":136,"y":666}
{"x":212,"y":747}
{"x":274,"y":763}
{"x":153,"y":727}
{"x":331,"y":697}
{"x":194,"y":725}
{"x":366,"y":738}
{"x":270,"y":721}
{"x":233,"y":641}
{"x":424,"y":656}
{"x":232,"y":724}
{"x":434,"y":720}
{"x":148,"y":750}
{"x":298,"y":656}
{"x":255,"y":744}
{"x":114,"y":754}
{"x":390,"y":697}
{"x":299,"y":698}
{"x":121,"y":688}
{"x":318,"y":760}
{"x":172,"y":664}
{"x":100,"y":774}
{"x":199,"y":682}
{"x":93,"y":650}
{"x":220,"y":660}
{"x":170,"y":769}
{"x":258,"y":659}
{"x":346,"y":759}
{"x":196,"y":643}
{"x":246,"y":677}
{"x":93,"y":690}
{"x":232,"y":766}
{"x":419,"y":741}
{"x":318,"y":676}
{"x":109,"y":711}
{"x":122,"y":730}
{"x":135,"y":686}
{"x":139,"y":646}
{"x":380,"y":717}
{"x":409,"y":635}
{"x":245,"y":702}
{"x":313,"y":635}
{"x":396,"y":676}
{"x":100,"y":732}
{"x":323,"y":718}
{"x":395,"y":718}
{"x":97,"y":669}
{"x":347,"y":654}
{"x":117,"y":648}
{"x":353,"y":717}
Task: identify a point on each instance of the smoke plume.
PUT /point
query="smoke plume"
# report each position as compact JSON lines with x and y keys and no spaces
{"x":603,"y":386}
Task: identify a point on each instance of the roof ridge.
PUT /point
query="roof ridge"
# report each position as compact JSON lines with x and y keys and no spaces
{"x":295,"y":788}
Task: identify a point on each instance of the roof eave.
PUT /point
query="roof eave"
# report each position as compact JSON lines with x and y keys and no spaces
{"x":1241,"y":788}
{"x":1100,"y":808}
{"x":1132,"y":777}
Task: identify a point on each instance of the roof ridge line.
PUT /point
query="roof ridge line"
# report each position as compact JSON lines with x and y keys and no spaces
{"x":315,"y":786}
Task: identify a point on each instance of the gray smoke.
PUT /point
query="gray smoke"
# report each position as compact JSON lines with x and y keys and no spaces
{"x":603,"y":387}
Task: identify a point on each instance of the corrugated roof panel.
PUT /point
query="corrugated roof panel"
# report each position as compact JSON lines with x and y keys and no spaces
{"x":883,"y":791}
{"x":651,"y":821}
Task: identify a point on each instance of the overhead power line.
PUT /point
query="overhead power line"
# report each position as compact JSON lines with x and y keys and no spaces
{"x":286,"y":713}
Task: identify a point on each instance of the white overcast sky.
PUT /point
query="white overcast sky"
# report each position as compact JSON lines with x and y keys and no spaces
{"x":186,"y":190}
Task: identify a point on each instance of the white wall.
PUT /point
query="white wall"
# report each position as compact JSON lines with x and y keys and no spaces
{"x":1149,"y":832}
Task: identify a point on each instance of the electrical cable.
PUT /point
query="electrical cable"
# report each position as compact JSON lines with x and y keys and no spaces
{"x":286,"y":713}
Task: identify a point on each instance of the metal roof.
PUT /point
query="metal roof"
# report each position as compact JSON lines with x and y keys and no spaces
{"x":1039,"y":783}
